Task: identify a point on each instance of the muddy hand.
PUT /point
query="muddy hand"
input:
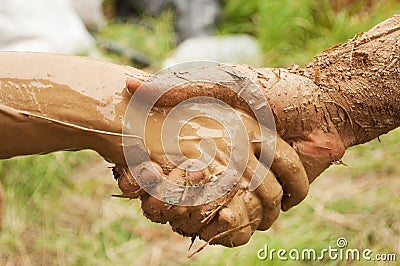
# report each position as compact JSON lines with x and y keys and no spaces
{"x":316,"y":149}
{"x":305,"y":117}
{"x":230,"y":219}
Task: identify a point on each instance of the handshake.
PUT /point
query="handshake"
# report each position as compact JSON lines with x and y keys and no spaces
{"x":215,"y":151}
{"x":212,"y":164}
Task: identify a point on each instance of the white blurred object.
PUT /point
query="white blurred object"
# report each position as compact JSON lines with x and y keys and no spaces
{"x":237,"y":49}
{"x":42,"y":26}
{"x":91,"y":12}
{"x":195,"y":18}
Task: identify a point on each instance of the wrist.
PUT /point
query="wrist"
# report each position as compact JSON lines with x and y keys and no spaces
{"x":306,"y":117}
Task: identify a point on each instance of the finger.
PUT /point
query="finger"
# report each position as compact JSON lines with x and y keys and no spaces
{"x":290,"y":171}
{"x":269,"y":192}
{"x":189,"y":220}
{"x":287,"y":168}
{"x":158,"y":85}
{"x":158,"y":208}
{"x":187,"y":177}
{"x":183,"y":219}
{"x":133,"y":83}
{"x":126,"y":182}
{"x":232,"y":216}
{"x":183,"y":187}
{"x":155,"y":209}
{"x":176,"y":87}
{"x":148,"y":173}
{"x":186,"y":220}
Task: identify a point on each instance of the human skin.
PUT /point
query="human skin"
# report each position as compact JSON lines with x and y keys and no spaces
{"x":320,"y":111}
{"x":47,"y":103}
{"x":348,"y":95}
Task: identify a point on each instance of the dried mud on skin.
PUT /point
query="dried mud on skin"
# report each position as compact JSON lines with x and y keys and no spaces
{"x":349,"y":94}
{"x":220,"y":221}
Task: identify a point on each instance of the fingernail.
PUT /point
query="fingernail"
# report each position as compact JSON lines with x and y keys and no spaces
{"x":133,"y":84}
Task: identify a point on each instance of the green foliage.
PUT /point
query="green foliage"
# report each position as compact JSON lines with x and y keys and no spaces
{"x":294,"y":31}
{"x":153,"y":37}
{"x":30,"y":178}
{"x":288,"y":31}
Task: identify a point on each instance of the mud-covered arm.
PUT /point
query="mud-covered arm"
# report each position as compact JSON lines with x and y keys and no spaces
{"x":54,"y":102}
{"x":362,"y":78}
{"x":353,"y":97}
{"x":347,"y":95}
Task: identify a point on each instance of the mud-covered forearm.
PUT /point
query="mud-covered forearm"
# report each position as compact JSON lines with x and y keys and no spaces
{"x":362,"y":78}
{"x":38,"y":116}
{"x":348,"y":95}
{"x":318,"y":110}
{"x":52,"y":102}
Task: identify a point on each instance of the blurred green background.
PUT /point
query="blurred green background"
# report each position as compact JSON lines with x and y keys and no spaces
{"x":59,"y":208}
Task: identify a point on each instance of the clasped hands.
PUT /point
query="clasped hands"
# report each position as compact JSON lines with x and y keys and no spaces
{"x":230,"y":219}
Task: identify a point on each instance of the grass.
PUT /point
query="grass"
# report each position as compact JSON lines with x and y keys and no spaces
{"x":59,"y":208}
{"x":294,"y":31}
{"x":152,"y":37}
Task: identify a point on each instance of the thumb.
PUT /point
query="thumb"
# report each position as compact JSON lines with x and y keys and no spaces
{"x":133,"y":83}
